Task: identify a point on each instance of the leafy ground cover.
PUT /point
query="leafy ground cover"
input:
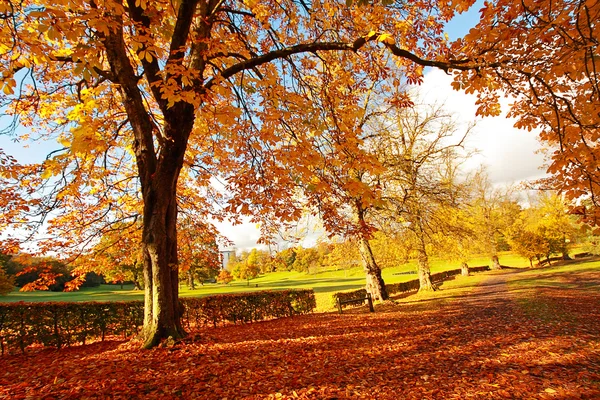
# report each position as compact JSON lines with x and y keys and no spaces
{"x":324,"y":283}
{"x":514,"y":334}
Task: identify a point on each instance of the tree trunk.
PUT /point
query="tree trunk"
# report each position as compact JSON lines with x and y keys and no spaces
{"x":425,"y":283}
{"x":136,"y":277}
{"x":162,"y":309}
{"x":375,"y":284}
{"x":495,"y":262}
{"x":190,"y":279}
{"x":158,"y":171}
{"x":493,"y":245}
{"x":464,"y":269}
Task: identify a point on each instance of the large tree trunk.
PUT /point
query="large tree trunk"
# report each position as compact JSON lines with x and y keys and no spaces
{"x":375,"y":284}
{"x":162,"y":309}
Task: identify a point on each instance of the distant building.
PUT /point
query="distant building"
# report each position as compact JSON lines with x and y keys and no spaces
{"x":226,"y":255}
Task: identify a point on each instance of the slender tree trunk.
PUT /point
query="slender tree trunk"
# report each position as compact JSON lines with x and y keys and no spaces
{"x":136,"y":277}
{"x":492,"y":243}
{"x":464,"y":269}
{"x":190,"y":279}
{"x":375,"y":284}
{"x":424,"y":270}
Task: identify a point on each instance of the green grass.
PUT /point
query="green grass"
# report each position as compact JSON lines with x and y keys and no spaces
{"x":572,"y":275}
{"x":324,"y":283}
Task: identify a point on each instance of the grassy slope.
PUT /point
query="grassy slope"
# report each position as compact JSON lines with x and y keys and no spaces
{"x":324,"y":284}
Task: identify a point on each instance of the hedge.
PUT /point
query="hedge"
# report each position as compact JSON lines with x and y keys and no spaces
{"x":403,"y":287}
{"x":247,"y":307}
{"x":61,"y":324}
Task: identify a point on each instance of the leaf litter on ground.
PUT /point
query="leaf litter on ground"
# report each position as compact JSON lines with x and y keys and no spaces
{"x":483,"y":346}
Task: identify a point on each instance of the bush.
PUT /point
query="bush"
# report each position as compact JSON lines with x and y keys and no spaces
{"x":403,"y":287}
{"x":60,"y":324}
{"x":247,"y":307}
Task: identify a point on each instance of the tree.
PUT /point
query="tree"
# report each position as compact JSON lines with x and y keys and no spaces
{"x":307,"y":260}
{"x":528,"y":244}
{"x":344,"y":255}
{"x":493,"y":211}
{"x":116,"y":255}
{"x":457,"y":241}
{"x":420,"y":150}
{"x":555,"y":222}
{"x":224,"y":277}
{"x":199,"y":255}
{"x":285,"y":259}
{"x":7,"y":282}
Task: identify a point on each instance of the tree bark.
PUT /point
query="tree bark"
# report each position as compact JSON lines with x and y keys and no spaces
{"x":424,"y":270}
{"x":375,"y":284}
{"x":495,"y":262}
{"x":190,"y":279}
{"x":162,"y":309}
{"x":464,"y":269}
{"x":425,"y":283}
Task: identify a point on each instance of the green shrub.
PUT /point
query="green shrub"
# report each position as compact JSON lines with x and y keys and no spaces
{"x":61,"y":324}
{"x":402,"y":287}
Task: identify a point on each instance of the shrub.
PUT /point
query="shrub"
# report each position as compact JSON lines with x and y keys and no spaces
{"x":403,"y":287}
{"x":62,"y":324}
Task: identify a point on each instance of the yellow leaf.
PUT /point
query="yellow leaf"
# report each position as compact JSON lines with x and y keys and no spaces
{"x":47,"y":173}
{"x":8,"y":90}
{"x":386,"y":38}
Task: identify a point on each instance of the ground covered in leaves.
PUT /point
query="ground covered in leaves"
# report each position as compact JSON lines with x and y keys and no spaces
{"x":497,"y":341}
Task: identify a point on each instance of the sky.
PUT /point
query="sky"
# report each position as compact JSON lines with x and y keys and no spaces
{"x":511,"y":155}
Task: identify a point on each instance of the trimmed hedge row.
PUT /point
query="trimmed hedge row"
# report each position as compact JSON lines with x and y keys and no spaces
{"x":61,"y":324}
{"x":247,"y":307}
{"x":403,"y":287}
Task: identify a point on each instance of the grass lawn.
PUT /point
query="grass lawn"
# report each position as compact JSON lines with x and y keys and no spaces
{"x":324,"y":283}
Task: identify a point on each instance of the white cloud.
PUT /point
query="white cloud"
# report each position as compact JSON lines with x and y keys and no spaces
{"x":510,"y":154}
